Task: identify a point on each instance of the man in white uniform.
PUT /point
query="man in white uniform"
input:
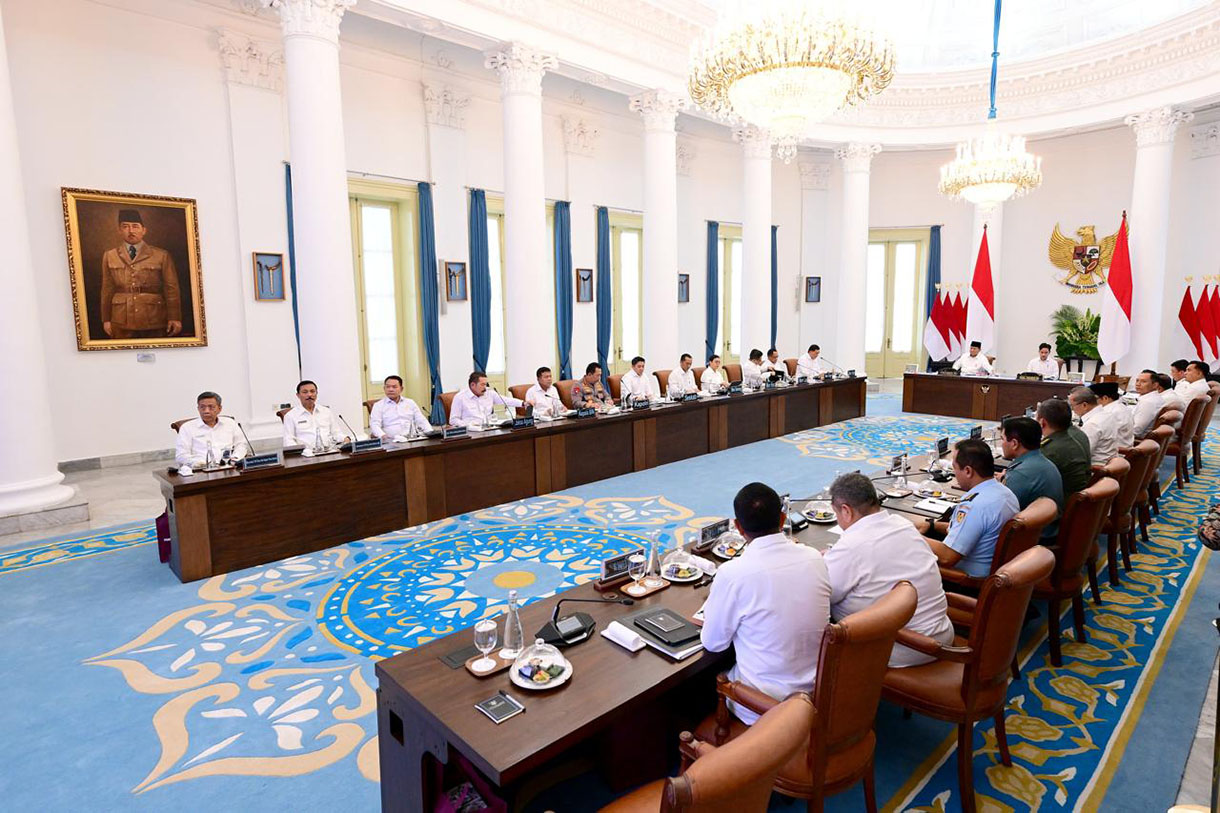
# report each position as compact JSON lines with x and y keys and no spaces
{"x":396,"y":415}
{"x":682,"y":380}
{"x":975,"y":363}
{"x":476,"y":404}
{"x":712,"y":379}
{"x":1194,"y":381}
{"x":752,"y":370}
{"x":1170,"y":396}
{"x":544,"y":396}
{"x":208,"y":431}
{"x":812,"y":364}
{"x":310,"y":424}
{"x":1043,"y":364}
{"x":1148,"y":405}
{"x":773,"y":364}
{"x":634,"y":386}
{"x":1100,"y":425}
{"x":1177,"y":371}
{"x":1108,"y":399}
{"x":771,"y":604}
{"x":876,"y":551}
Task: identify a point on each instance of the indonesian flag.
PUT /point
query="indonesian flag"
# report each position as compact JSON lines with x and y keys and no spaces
{"x":936,"y":332}
{"x":1215,"y":303}
{"x":1190,"y":321}
{"x":1207,"y":327}
{"x":1114,"y":338}
{"x":957,"y":325}
{"x":980,"y":310}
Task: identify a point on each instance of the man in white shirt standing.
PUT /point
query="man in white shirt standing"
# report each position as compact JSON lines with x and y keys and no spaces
{"x":771,"y":604}
{"x":310,"y":424}
{"x":1194,"y":381}
{"x":752,"y":370}
{"x":876,"y":551}
{"x":1043,"y":364}
{"x":812,"y":364}
{"x":682,"y":380}
{"x":544,"y":396}
{"x":633,"y":385}
{"x":208,"y":431}
{"x":975,"y":363}
{"x":396,"y":415}
{"x":1148,"y":405}
{"x":1100,"y":425}
{"x":473,"y":406}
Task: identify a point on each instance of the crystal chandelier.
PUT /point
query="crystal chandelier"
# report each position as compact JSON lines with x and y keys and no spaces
{"x":783,"y":65}
{"x":995,"y":166}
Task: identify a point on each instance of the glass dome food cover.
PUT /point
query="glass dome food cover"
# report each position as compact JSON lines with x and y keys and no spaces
{"x":540,"y":664}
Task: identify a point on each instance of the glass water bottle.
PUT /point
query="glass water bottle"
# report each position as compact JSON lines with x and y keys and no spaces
{"x":514,"y":637}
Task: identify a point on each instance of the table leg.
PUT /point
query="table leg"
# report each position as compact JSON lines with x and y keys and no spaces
{"x":403,"y":741}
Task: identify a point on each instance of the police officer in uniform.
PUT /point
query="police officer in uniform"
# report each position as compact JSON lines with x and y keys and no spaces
{"x":140,"y":295}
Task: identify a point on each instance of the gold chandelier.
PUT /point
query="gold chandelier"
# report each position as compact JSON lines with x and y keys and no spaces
{"x":784,"y":66}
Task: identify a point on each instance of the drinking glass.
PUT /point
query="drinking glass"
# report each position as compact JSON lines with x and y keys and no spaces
{"x":485,"y":642}
{"x":637,"y":566}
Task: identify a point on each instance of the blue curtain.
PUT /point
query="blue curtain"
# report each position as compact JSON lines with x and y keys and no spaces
{"x":480,"y":280}
{"x":563,"y":286}
{"x":292,"y":262}
{"x":774,"y":285}
{"x":933,"y":275}
{"x":713,"y":286}
{"x":428,"y":299}
{"x":605,"y":304}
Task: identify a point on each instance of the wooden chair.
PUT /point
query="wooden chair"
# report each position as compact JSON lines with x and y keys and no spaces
{"x":663,"y":380}
{"x":1179,"y":447}
{"x":565,"y":391}
{"x":734,"y":778}
{"x":1205,"y":421}
{"x":1168,"y":416}
{"x":698,"y":371}
{"x":1082,"y":520}
{"x":1145,"y":502}
{"x":791,"y":364}
{"x":733,"y":371}
{"x":616,"y":386}
{"x":280,"y":413}
{"x":447,"y":403}
{"x":368,"y":405}
{"x":852,"y":663}
{"x":969,"y":683}
{"x":1018,"y":535}
{"x":1119,"y":526}
{"x":176,"y":425}
{"x":1117,"y":468}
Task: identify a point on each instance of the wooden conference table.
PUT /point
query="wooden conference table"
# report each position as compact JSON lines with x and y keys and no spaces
{"x":983,"y":398}
{"x":228,"y":520}
{"x":425,"y":709}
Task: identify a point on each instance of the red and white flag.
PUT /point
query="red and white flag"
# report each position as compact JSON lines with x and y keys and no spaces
{"x":1114,"y":337}
{"x":957,"y":325}
{"x":1207,"y":327}
{"x":1215,"y":307}
{"x":980,"y":310}
{"x":1189,"y":319}
{"x":936,"y":332}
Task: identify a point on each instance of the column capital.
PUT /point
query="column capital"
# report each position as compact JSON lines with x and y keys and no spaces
{"x":815,"y":175}
{"x":684,"y":154}
{"x":249,"y":61}
{"x":1156,"y":126}
{"x":445,"y":106}
{"x":658,"y":107}
{"x":857,"y":157}
{"x":520,"y":67}
{"x":580,"y":135}
{"x":755,"y":141}
{"x":318,"y":19}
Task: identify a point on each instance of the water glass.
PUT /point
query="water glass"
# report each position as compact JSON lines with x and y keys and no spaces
{"x":485,"y":642}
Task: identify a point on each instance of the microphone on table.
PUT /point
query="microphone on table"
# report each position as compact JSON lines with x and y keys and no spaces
{"x":249,"y":445}
{"x":625,"y":601}
{"x":574,"y":628}
{"x":348,"y":425}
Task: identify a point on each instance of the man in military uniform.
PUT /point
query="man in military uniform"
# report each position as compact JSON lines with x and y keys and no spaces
{"x":140,"y":294}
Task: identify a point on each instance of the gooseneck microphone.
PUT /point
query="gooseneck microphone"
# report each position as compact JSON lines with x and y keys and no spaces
{"x":624,"y":601}
{"x":348,"y":425}
{"x":249,"y":445}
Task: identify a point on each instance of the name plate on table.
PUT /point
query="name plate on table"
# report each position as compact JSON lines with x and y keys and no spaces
{"x":523,"y":422}
{"x":976,"y":432}
{"x":708,"y":534}
{"x":851,"y":373}
{"x":452,"y":432}
{"x":690,"y":396}
{"x":586,"y":412}
{"x":770,"y":385}
{"x":615,"y":570}
{"x":636,"y":406}
{"x":362,"y":446}
{"x":948,"y":371}
{"x":942,"y":446}
{"x":266,"y":460}
{"x":1027,"y":376}
{"x":735,"y":388}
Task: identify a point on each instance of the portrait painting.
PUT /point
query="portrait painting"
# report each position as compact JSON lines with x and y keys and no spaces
{"x":455,"y":281}
{"x":584,"y":284}
{"x":135,"y":271}
{"x":813,"y":289}
{"x":268,"y":277}
{"x":684,"y":287}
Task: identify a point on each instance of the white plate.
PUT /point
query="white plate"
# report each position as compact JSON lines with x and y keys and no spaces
{"x":813,"y":507}
{"x":517,"y":680}
{"x":719,"y":551}
{"x":698,"y":575}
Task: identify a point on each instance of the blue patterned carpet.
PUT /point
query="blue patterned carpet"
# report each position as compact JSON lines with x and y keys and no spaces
{"x":258,"y":686}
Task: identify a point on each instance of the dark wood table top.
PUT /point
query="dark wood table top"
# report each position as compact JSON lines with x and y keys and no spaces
{"x":1006,"y":379}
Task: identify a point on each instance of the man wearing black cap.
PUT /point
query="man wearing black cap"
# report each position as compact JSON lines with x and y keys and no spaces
{"x":1124,"y":422}
{"x":975,"y":363}
{"x":140,"y":295}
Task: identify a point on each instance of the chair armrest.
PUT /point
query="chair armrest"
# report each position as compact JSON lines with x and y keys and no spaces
{"x":691,"y":748}
{"x":955,"y":576}
{"x":751,"y":698}
{"x":929,"y":646}
{"x":957,"y":601}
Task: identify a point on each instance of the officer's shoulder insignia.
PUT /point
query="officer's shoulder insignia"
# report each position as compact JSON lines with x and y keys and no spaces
{"x":959,"y":515}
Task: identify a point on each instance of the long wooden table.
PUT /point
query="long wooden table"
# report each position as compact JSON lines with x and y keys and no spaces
{"x":426,"y":713}
{"x":983,"y":398}
{"x":225,"y":521}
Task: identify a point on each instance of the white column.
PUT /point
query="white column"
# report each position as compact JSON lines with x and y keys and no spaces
{"x":326,"y":291}
{"x":529,"y":292}
{"x":29,"y":477}
{"x":993,"y":218}
{"x":817,"y":320}
{"x":853,"y":264}
{"x":1148,"y":222}
{"x":660,"y":110}
{"x":755,"y":241}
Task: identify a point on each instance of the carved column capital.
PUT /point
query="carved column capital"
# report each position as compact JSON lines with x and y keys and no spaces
{"x":248,"y":61}
{"x":445,"y":106}
{"x":754,"y":141}
{"x":658,"y":107}
{"x":520,"y":67}
{"x":1157,"y":126}
{"x":318,"y":19}
{"x":857,"y":157}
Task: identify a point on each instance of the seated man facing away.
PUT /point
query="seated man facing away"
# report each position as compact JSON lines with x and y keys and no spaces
{"x":1169,"y":396}
{"x":1043,"y":364}
{"x":634,"y":384}
{"x":878,"y":550}
{"x":1030,"y":475}
{"x":712,"y":379}
{"x":208,"y":431}
{"x":396,"y":415}
{"x":970,"y":536}
{"x":975,"y":363}
{"x":544,"y":396}
{"x":1100,"y":426}
{"x":1148,"y":405}
{"x":770,"y":604}
{"x":476,"y":404}
{"x":311,"y":425}
{"x":1065,"y":446}
{"x":812,"y":364}
{"x":682,"y":380}
{"x":752,"y":370}
{"x":1124,"y":421}
{"x":588,"y":390}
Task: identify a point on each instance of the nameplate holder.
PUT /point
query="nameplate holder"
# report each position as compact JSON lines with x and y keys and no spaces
{"x":636,"y":406}
{"x":948,"y":371}
{"x":523,"y":422}
{"x":976,"y":432}
{"x":615,"y":571}
{"x":770,"y":385}
{"x":586,"y":412}
{"x":452,"y":432}
{"x":851,"y":373}
{"x":266,"y":460}
{"x":708,"y":534}
{"x":735,"y":388}
{"x":367,"y":445}
{"x":690,"y":396}
{"x":1028,"y":376}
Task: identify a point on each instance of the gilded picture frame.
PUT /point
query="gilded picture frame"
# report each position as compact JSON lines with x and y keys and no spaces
{"x":135,"y":270}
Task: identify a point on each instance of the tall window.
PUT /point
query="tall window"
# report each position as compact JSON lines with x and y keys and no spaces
{"x":894,"y":305}
{"x":728,"y":336}
{"x":627,"y":271}
{"x":380,"y":299}
{"x":495,"y":263}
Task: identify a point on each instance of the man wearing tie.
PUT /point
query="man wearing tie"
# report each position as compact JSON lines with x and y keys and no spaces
{"x":1043,"y":364}
{"x":682,"y":380}
{"x":311,"y":425}
{"x":634,"y":386}
{"x":396,"y":415}
{"x":812,"y":365}
{"x":208,"y":432}
{"x":975,"y":363}
{"x":543,"y":396}
{"x":476,"y":404}
{"x":140,"y":293}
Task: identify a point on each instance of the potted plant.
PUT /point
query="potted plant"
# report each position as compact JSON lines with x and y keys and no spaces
{"x":1076,"y":337}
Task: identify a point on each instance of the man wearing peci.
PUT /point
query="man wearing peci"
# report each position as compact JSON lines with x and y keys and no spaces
{"x":310,"y":424}
{"x":682,"y":380}
{"x":140,"y":293}
{"x":975,"y":363}
{"x":812,"y":364}
{"x":544,"y":396}
{"x":588,"y":390}
{"x":208,"y":432}
{"x":476,"y":404}
{"x":634,"y":386}
{"x":396,"y":415}
{"x":1043,"y":364}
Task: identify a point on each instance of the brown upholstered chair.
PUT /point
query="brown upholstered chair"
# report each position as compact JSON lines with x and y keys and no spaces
{"x":733,"y":371}
{"x":280,"y":413}
{"x":1205,"y":421}
{"x":1112,"y":378}
{"x":1018,"y":535}
{"x":698,"y":371}
{"x":1117,"y":468}
{"x":791,"y":364}
{"x":368,"y":405}
{"x":1179,"y":447}
{"x":565,"y":391}
{"x":1168,"y":416}
{"x":1082,"y":520}
{"x":663,"y":380}
{"x":176,"y":425}
{"x":1151,"y":490}
{"x":518,"y":391}
{"x":1119,"y":526}
{"x":616,"y":386}
{"x":447,"y":403}
{"x":852,"y":662}
{"x":969,"y":683}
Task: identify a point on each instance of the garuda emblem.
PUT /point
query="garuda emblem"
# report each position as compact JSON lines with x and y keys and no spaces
{"x":1085,"y":263}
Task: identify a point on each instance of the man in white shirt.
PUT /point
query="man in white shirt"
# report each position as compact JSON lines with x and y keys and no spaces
{"x":975,"y":363}
{"x":876,"y":551}
{"x":773,"y":364}
{"x":1100,"y":425}
{"x":208,"y":431}
{"x":1108,"y":399}
{"x":712,"y":379}
{"x":544,"y":396}
{"x":1148,"y":405}
{"x":396,"y":415}
{"x":682,"y":380}
{"x":1043,"y":364}
{"x":310,"y":424}
{"x":1170,"y":396}
{"x":812,"y":364}
{"x":770,"y":604}
{"x":752,"y":370}
{"x":1177,"y":371}
{"x":476,"y":404}
{"x":1194,"y":381}
{"x":633,"y":385}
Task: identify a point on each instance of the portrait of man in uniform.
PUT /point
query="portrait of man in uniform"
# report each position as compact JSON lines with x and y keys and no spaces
{"x":134,"y":262}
